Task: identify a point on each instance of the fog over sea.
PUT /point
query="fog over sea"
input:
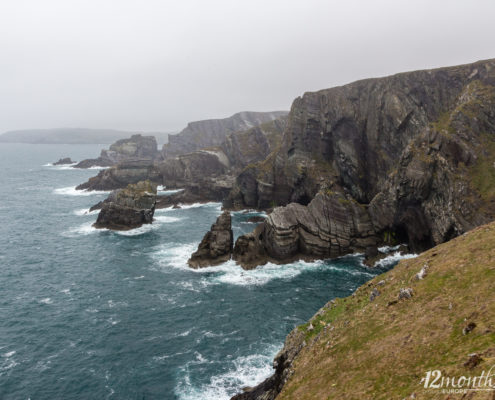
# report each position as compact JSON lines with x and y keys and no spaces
{"x":95,"y":314}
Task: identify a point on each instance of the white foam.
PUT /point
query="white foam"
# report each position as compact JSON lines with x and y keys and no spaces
{"x":176,"y":256}
{"x":46,"y":300}
{"x":245,"y":371}
{"x":167,"y":192}
{"x":97,"y":167}
{"x":82,"y":230}
{"x":71,"y":191}
{"x":9,"y":354}
{"x":196,"y":205}
{"x":388,"y":249}
{"x":60,"y":167}
{"x":393,"y":258}
{"x":85,"y":211}
{"x":166,"y":220}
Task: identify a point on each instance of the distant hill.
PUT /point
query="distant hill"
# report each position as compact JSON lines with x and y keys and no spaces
{"x":73,"y":136}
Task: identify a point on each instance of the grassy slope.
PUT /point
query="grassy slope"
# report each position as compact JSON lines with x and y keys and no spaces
{"x":372,"y":350}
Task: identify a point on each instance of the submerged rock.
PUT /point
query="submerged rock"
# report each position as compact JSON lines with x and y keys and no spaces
{"x":128,"y":208}
{"x":64,"y":161}
{"x":216,"y":246}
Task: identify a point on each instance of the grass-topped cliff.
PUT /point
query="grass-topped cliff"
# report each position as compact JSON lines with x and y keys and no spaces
{"x":375,"y":345}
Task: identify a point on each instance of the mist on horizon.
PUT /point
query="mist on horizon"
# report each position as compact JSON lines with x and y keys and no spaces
{"x":155,"y":66}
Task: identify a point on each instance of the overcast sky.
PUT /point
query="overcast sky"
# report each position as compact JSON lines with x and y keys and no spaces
{"x":157,"y":64}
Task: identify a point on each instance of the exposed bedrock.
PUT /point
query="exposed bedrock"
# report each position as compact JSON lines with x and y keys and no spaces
{"x":64,"y":161}
{"x":330,"y":226}
{"x":128,"y":208}
{"x":124,"y":173}
{"x":216,"y":246}
{"x":135,"y":147}
{"x":416,"y":149}
{"x":203,"y":134}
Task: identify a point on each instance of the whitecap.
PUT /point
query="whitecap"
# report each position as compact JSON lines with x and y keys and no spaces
{"x":244,"y":371}
{"x":197,"y":205}
{"x":66,"y":291}
{"x":46,"y":300}
{"x":174,"y":254}
{"x":60,"y":167}
{"x":167,"y":192}
{"x":388,"y":249}
{"x":393,"y":258}
{"x":85,"y":211}
{"x":165,"y":219}
{"x":9,"y":354}
{"x":71,"y":191}
{"x":82,"y":230}
{"x":138,"y":231}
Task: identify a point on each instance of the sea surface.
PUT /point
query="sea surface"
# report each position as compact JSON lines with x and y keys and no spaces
{"x":95,"y":314}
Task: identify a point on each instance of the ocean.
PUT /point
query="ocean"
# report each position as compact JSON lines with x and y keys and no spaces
{"x":96,"y":314}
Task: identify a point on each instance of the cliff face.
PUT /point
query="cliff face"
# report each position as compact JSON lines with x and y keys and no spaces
{"x":202,"y":134}
{"x":206,"y":174}
{"x":366,"y":346}
{"x":415,"y":150}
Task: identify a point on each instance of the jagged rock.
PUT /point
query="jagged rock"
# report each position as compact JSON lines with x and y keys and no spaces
{"x":128,"y":208}
{"x":190,"y":168}
{"x":203,"y":134}
{"x":124,"y":173}
{"x":405,"y":293}
{"x":330,"y":226}
{"x":248,"y":250}
{"x":136,"y":147}
{"x":414,"y":146}
{"x":64,"y":161}
{"x":201,"y":191}
{"x":216,"y":246}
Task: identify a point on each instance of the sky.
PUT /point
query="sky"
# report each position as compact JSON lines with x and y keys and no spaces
{"x":154,"y":65}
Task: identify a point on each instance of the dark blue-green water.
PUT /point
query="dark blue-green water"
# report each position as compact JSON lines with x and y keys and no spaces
{"x":87,"y":314}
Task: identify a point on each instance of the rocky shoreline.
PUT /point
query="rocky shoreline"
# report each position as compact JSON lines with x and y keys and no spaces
{"x":408,"y":158}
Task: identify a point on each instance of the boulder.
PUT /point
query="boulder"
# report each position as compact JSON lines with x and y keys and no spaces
{"x":216,"y":246}
{"x":128,"y":208}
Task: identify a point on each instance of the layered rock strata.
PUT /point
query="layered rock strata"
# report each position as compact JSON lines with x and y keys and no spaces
{"x":216,"y":246}
{"x":128,"y":208}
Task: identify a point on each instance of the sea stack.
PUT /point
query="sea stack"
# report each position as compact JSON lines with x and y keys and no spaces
{"x":216,"y":246}
{"x":64,"y":161}
{"x":128,"y":208}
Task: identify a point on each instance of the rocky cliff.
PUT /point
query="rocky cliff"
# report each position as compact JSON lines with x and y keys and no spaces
{"x":206,"y":174}
{"x":216,"y":246}
{"x":136,"y":147}
{"x":413,"y":151}
{"x":202,"y":134}
{"x":128,"y":208}
{"x":122,"y":174}
{"x":366,"y":346}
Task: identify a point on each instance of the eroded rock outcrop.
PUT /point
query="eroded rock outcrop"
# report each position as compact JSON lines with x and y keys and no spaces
{"x":64,"y":161}
{"x":135,"y":147}
{"x":124,"y":173}
{"x":128,"y":208}
{"x":330,"y":226}
{"x":203,"y":134}
{"x":417,"y":149}
{"x":216,"y":246}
